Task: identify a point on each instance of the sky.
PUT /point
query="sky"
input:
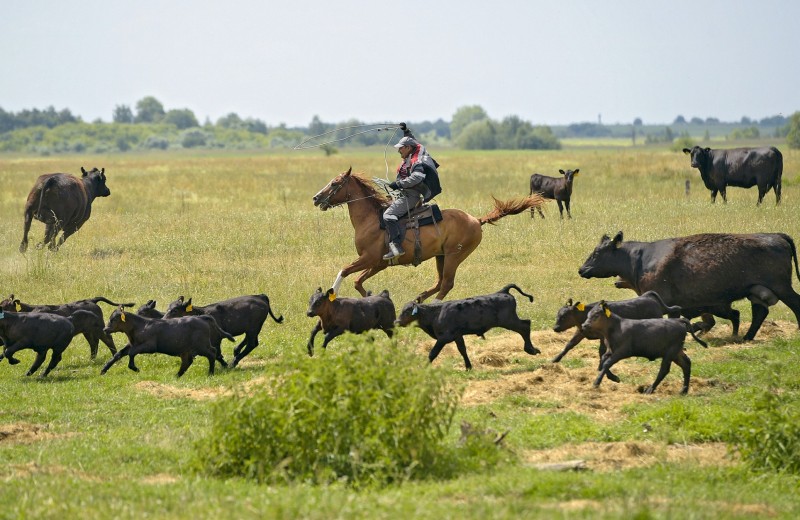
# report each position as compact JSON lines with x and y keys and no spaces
{"x":555,"y":62}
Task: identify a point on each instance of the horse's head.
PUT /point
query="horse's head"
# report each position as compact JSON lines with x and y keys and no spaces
{"x":332,"y":194}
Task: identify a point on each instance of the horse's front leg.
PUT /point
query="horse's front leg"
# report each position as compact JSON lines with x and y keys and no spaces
{"x":367,"y":273}
{"x":362,"y":263}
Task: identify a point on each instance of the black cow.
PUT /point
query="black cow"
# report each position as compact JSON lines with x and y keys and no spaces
{"x":556,"y":188}
{"x":92,"y":334}
{"x":148,"y":310}
{"x":62,"y":202}
{"x":650,"y":338}
{"x":741,"y":167}
{"x":356,"y":315}
{"x":241,"y":315}
{"x":706,"y":272}
{"x":37,"y":331}
{"x":648,"y":305}
{"x":185,"y":337}
{"x":452,"y":320}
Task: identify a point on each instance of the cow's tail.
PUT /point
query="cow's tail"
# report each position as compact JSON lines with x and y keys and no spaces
{"x":214,"y":325}
{"x":511,"y":207}
{"x":690,"y":330}
{"x":45,"y":187}
{"x":510,"y":286}
{"x":98,"y":299}
{"x":778,"y":173}
{"x":279,"y":319}
{"x":794,"y":252}
{"x":673,"y":311}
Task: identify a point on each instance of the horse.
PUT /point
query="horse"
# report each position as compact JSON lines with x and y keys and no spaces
{"x":450,"y":241}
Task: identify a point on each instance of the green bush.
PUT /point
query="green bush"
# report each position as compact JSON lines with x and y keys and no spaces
{"x":768,"y":438}
{"x":364,"y":413}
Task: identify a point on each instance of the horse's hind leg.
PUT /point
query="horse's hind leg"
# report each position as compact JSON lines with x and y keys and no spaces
{"x":367,"y":273}
{"x":439,"y":270}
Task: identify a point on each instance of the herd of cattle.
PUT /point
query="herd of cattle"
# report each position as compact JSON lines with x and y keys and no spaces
{"x":683,"y":278}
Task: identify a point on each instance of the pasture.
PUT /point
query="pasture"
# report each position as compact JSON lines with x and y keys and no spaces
{"x":213,"y":226}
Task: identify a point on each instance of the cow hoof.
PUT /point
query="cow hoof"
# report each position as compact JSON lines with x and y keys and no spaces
{"x":532,"y":350}
{"x":612,"y":377}
{"x":23,"y":247}
{"x":12,"y":361}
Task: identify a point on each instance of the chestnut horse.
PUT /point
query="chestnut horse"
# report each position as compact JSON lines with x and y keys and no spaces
{"x":451,"y":241}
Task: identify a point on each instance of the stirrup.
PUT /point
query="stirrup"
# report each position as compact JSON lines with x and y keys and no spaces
{"x":394,"y":250}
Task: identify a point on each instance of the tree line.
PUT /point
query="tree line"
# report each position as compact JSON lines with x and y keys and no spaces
{"x":148,"y":125}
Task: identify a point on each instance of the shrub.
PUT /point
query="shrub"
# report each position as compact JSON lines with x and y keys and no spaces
{"x":367,"y":414}
{"x":768,"y":438}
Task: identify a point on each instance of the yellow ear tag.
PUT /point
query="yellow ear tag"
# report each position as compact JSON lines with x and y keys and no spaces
{"x":580,"y":306}
{"x":332,"y":296}
{"x":189,"y":308}
{"x":122,"y":317}
{"x":18,"y":306}
{"x":608,"y":313}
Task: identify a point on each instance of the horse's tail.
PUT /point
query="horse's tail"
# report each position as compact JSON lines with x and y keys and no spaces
{"x":511,"y":207}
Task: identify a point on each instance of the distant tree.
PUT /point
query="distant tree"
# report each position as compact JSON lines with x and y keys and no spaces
{"x":7,"y":121}
{"x":149,"y":110}
{"x":706,"y":136}
{"x":317,"y":127}
{"x":478,"y":135}
{"x":637,"y":121}
{"x":696,"y":121}
{"x":680,"y":120}
{"x":751,"y":132}
{"x":193,"y":138}
{"x":464,"y":116}
{"x":256,"y":125}
{"x":588,"y":130}
{"x":712,"y":121}
{"x":181,"y":118}
{"x":773,"y":121}
{"x":793,"y":135}
{"x":122,"y":114}
{"x":745,"y":121}
{"x":232,"y":121}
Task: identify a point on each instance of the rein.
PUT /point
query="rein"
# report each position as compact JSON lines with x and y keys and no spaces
{"x":348,"y":199}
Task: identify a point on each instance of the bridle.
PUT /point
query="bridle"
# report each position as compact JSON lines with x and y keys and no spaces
{"x":334,"y":191}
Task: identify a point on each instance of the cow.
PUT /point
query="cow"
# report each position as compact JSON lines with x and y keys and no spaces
{"x":62,"y":202}
{"x":650,"y":338}
{"x":148,"y":310}
{"x":556,"y":188}
{"x":705,"y":272}
{"x":741,"y":167}
{"x":648,"y":305}
{"x":185,"y":337}
{"x":450,"y":321}
{"x":241,"y":315}
{"x":37,"y":331}
{"x":92,"y":334}
{"x":339,"y":315}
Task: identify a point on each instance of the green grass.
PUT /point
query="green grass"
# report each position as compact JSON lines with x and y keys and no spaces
{"x":212,"y":226}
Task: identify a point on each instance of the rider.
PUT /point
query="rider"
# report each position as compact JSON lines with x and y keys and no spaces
{"x":410,"y":183}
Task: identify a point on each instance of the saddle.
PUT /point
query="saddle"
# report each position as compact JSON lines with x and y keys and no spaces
{"x":422,"y":215}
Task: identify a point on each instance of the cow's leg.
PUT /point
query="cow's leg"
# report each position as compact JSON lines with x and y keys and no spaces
{"x":186,"y":361}
{"x":109,"y":342}
{"x":707,"y":322}
{"x":609,"y":362}
{"x":666,"y":362}
{"x":566,"y":204}
{"x":601,"y":351}
{"x":539,"y":209}
{"x":560,"y":209}
{"x":437,"y":347}
{"x":211,"y":356}
{"x":523,"y":328}
{"x":55,"y":359}
{"x":724,"y":192}
{"x":252,"y":343}
{"x":310,"y":345}
{"x":93,"y":342}
{"x":777,"y":189}
{"x":762,"y":190}
{"x":576,"y":338}
{"x":26,"y":227}
{"x":792,"y":300}
{"x":238,"y":347}
{"x":116,"y":357}
{"x":759,"y":315}
{"x":68,"y":231}
{"x":329,"y":335}
{"x":462,"y":349}
{"x":217,"y":346}
{"x":713,"y":196}
{"x":40,"y":355}
{"x":683,"y":361}
{"x":50,"y":232}
{"x":10,"y":349}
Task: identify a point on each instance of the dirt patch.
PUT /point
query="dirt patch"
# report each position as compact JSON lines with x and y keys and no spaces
{"x":26,"y":433}
{"x":160,"y":479}
{"x":174,"y":392}
{"x":30,"y":469}
{"x":613,"y":456}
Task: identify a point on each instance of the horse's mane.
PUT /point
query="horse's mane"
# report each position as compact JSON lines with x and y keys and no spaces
{"x":370,"y":191}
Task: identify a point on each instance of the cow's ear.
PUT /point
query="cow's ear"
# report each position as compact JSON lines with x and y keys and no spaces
{"x":331,"y":294}
{"x":708,"y":150}
{"x":579,"y":306}
{"x":180,"y":298}
{"x":414,"y":309}
{"x":575,"y":171}
{"x":687,"y":151}
{"x":569,"y":303}
{"x":17,"y":306}
{"x":562,"y":172}
{"x":189,"y":307}
{"x":605,"y":238}
{"x":84,"y":172}
{"x":618,"y":239}
{"x":103,"y":171}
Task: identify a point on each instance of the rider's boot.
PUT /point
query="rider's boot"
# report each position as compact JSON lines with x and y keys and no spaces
{"x":393,"y":227}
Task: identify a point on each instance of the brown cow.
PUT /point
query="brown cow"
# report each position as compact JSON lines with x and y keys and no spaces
{"x":559,"y":189}
{"x":62,"y":202}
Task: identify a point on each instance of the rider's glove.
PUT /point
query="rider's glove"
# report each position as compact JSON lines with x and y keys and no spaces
{"x":393,"y":186}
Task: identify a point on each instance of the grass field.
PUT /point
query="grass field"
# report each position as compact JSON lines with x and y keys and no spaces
{"x":213,"y":226}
